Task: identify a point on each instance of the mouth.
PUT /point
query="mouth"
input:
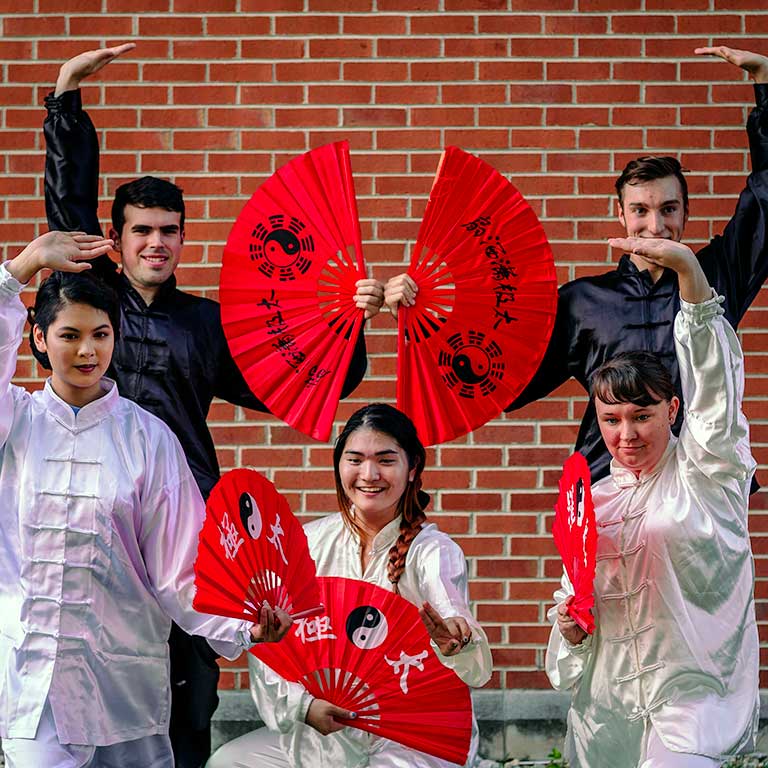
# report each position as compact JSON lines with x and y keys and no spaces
{"x":155,"y":259}
{"x":90,"y":368}
{"x":369,"y":490}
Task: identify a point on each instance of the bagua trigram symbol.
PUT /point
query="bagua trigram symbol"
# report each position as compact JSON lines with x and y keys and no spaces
{"x":282,"y":249}
{"x":471,"y":365}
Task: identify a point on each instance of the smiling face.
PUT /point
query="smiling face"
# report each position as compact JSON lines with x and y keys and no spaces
{"x":374,"y":474}
{"x":636,"y":435}
{"x":150,"y":247}
{"x":79,"y":343}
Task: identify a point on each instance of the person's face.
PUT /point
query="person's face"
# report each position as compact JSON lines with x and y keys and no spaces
{"x":374,"y":475}
{"x":636,"y":436}
{"x":654,"y":209}
{"x":149,"y":247}
{"x":79,"y":343}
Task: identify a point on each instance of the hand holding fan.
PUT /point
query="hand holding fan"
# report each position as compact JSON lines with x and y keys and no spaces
{"x":370,"y":653}
{"x":287,"y":285}
{"x":575,"y":534}
{"x":252,"y":549}
{"x":486,"y":302}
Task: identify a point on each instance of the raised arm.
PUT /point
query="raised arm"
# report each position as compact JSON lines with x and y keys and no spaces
{"x":72,"y":150}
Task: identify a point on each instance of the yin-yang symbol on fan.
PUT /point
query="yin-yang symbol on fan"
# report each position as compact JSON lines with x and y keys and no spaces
{"x":472,"y":365}
{"x":282,"y":247}
{"x":367,"y":627}
{"x":250,"y":515}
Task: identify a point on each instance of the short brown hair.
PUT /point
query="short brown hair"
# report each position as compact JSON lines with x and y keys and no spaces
{"x":650,"y":168}
{"x":633,"y":377}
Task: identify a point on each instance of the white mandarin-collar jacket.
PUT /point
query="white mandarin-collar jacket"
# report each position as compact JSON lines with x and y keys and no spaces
{"x":676,"y":645}
{"x":435,"y":571}
{"x":99,"y":520}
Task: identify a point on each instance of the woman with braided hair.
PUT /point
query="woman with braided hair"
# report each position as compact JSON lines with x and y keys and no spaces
{"x":380,"y":535}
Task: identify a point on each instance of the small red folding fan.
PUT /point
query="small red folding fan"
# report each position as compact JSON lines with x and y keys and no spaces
{"x":575,"y":535}
{"x":252,"y":548}
{"x":370,"y":653}
{"x":287,"y":285}
{"x":486,"y":302}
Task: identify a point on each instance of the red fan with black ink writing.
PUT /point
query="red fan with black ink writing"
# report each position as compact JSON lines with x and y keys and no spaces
{"x":370,"y":653}
{"x":486,"y":302}
{"x":252,"y":549}
{"x":575,"y":533}
{"x":287,"y":286}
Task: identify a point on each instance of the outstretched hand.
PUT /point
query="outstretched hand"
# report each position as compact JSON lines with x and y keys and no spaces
{"x":62,"y":251}
{"x":273,"y":625}
{"x":450,"y":635}
{"x":753,"y":63}
{"x":694,"y":287}
{"x":85,"y":64}
{"x":322,"y":715}
{"x":369,"y":296}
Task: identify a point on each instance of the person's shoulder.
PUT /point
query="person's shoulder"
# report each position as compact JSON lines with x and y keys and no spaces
{"x":324,"y":525}
{"x":430,"y":538}
{"x":140,"y":422}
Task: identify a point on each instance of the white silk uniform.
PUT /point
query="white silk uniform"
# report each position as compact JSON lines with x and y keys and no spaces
{"x":99,"y":521}
{"x":435,"y":572}
{"x":674,"y":656}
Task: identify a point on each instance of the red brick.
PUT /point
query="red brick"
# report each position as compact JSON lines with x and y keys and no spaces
{"x":232,"y":26}
{"x":353,"y":116}
{"x":405,"y":94}
{"x":446,"y":71}
{"x":150,"y":26}
{"x":29,"y":26}
{"x":204,"y":94}
{"x":540,"y":94}
{"x":374,"y":24}
{"x":613,"y":47}
{"x":511,"y":71}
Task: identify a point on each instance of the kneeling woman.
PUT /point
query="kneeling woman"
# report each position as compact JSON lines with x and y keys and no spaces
{"x":670,"y":676}
{"x":99,"y":519}
{"x":381,"y":536}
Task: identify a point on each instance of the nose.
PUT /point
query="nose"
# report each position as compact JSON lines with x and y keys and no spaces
{"x":627,"y":432}
{"x":656,"y":225}
{"x":369,"y":470}
{"x":86,"y":348}
{"x":155,"y":239}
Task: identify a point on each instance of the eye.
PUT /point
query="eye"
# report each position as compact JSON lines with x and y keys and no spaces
{"x":611,"y":420}
{"x":670,"y":210}
{"x":351,"y":460}
{"x":68,"y":336}
{"x":643,"y":417}
{"x":101,"y":334}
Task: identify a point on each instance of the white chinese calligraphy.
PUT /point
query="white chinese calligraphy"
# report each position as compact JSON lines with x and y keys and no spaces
{"x":315,"y":628}
{"x":230,"y":538}
{"x":275,"y":540}
{"x":405,"y":663}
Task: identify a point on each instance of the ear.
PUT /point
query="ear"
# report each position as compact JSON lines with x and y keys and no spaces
{"x":115,"y":238}
{"x":39,"y":338}
{"x":674,"y":407}
{"x":620,"y":214}
{"x":181,"y":236}
{"x":411,"y":475}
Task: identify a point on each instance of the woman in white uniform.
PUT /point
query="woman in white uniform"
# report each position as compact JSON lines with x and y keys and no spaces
{"x":99,"y":520}
{"x":380,"y":535}
{"x":670,"y":676}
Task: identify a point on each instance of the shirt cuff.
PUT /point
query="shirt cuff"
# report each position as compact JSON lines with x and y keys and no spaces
{"x":579,"y":650}
{"x":69,"y":101}
{"x":9,"y":285}
{"x":704,"y":310}
{"x":761,"y":95}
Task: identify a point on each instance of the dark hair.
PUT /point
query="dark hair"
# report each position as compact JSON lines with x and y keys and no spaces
{"x":146,"y":192}
{"x":650,"y":168}
{"x":383,"y":418}
{"x":633,"y":377}
{"x":62,"y":289}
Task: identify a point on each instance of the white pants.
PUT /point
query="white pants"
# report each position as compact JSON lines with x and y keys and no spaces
{"x":257,"y":749}
{"x":658,"y":756}
{"x":46,"y":751}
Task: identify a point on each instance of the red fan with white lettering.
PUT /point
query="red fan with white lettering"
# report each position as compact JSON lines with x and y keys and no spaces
{"x":575,"y":535}
{"x":486,"y":303}
{"x":252,"y":549}
{"x":370,"y":653}
{"x":287,"y":285}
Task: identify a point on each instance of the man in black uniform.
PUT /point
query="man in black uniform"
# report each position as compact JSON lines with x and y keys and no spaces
{"x":633,"y":307}
{"x":172,"y":357}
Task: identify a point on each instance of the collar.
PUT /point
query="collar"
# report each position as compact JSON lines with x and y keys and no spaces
{"x":165,"y":290}
{"x":89,"y":415}
{"x":626,"y":478}
{"x":385,"y":538}
{"x":627,"y":268}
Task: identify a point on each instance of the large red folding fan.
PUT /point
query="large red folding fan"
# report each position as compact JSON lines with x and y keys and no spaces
{"x":486,"y":303}
{"x":252,"y":549}
{"x":371,"y":654}
{"x":287,"y":286}
{"x":575,"y":534}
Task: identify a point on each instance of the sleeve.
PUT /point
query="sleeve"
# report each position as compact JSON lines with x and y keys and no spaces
{"x":12,"y":319}
{"x":714,"y":439}
{"x":555,"y":367}
{"x":564,"y":661}
{"x":172,"y":516}
{"x":280,"y":703}
{"x":736,"y":262}
{"x":441,"y":580}
{"x":72,"y":172}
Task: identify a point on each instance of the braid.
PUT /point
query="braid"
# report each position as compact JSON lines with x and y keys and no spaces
{"x":412,"y":519}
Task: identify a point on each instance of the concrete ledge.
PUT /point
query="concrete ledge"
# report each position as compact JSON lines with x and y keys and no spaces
{"x":515,"y":724}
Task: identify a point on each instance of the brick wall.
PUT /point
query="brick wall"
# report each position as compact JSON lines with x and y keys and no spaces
{"x":558,"y":94}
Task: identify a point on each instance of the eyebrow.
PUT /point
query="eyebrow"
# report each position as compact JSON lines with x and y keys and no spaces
{"x":666,"y":202}
{"x":79,"y":330}
{"x":387,"y":452}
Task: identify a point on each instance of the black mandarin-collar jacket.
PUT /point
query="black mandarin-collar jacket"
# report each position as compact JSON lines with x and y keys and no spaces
{"x":172,"y":357}
{"x":624,"y":310}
